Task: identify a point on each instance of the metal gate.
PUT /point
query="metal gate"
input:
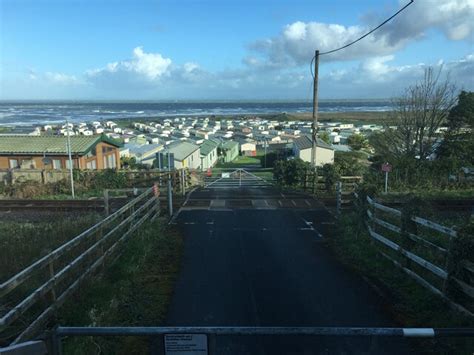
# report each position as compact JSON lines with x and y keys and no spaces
{"x":236,"y":178}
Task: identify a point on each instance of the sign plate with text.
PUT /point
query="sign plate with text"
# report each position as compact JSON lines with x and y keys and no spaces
{"x":186,"y":344}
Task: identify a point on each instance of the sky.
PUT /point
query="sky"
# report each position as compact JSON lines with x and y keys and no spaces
{"x":227,"y":49}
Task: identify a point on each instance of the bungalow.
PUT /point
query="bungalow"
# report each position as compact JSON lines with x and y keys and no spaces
{"x":186,"y":155}
{"x":50,"y":152}
{"x":248,"y":147}
{"x":229,"y":151}
{"x":208,"y":154}
{"x":302,"y":149}
{"x":145,"y":153}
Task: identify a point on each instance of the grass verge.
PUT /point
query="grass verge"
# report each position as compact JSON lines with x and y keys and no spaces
{"x":410,"y":304}
{"x":241,"y":161}
{"x":21,"y":243}
{"x":133,"y":291}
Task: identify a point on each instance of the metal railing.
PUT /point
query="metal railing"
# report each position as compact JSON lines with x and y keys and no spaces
{"x":66,"y":267}
{"x":168,"y":339}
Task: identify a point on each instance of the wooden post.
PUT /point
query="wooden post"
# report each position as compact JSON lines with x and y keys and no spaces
{"x":106,"y":203}
{"x":183,"y":182}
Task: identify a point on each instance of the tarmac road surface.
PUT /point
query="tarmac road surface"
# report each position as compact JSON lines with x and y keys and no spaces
{"x":265,"y":265}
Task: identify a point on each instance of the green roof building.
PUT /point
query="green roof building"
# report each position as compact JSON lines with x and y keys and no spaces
{"x":51,"y":152}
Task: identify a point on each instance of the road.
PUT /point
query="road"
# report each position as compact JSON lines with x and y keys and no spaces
{"x":251,"y":261}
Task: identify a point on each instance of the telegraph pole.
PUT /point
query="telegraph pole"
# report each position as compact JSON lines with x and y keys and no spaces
{"x":315,"y":110}
{"x":315,"y":120}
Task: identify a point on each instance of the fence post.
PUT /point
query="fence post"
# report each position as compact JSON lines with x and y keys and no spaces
{"x":106,"y":202}
{"x":338,"y":197}
{"x":183,"y":183}
{"x":170,"y":196}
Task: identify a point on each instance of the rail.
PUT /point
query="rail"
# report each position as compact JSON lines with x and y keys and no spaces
{"x":191,"y":340}
{"x":69,"y":265}
{"x":382,"y":228}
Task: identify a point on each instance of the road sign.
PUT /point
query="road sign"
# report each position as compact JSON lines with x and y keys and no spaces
{"x":186,"y":344}
{"x":386,"y":167}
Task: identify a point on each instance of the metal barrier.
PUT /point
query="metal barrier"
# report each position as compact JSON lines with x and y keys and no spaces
{"x":68,"y":265}
{"x":202,"y":340}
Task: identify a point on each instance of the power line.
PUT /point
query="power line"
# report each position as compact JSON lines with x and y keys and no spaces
{"x":361,"y":37}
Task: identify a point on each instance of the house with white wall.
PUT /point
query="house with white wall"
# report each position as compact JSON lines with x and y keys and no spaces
{"x":302,"y":149}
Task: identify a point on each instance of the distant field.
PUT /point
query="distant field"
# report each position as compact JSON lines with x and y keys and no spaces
{"x":369,"y":117}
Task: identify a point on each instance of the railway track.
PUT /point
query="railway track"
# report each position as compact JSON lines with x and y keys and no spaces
{"x":57,"y":205}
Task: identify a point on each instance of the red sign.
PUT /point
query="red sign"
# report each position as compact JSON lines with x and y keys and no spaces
{"x":386,"y":167}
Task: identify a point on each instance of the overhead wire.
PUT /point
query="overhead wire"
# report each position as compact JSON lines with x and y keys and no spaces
{"x":361,"y":37}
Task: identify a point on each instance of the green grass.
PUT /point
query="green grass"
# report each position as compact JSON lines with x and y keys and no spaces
{"x":240,"y":161}
{"x":417,"y":305}
{"x":410,"y":304}
{"x":21,"y":243}
{"x":134,"y":291}
{"x":432,"y":193}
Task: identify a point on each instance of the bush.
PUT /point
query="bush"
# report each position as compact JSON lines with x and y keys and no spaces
{"x":290,"y":172}
{"x":331,"y":175}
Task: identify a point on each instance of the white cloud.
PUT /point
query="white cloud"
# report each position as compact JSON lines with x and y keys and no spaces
{"x":151,"y":66}
{"x":61,"y":78}
{"x":377,"y":78}
{"x":296,"y":43}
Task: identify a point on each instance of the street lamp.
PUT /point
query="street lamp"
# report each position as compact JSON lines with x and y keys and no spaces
{"x":68,"y":147}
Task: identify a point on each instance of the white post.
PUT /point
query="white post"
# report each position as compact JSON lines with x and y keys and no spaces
{"x":265,"y":145}
{"x":386,"y":181}
{"x":338,"y":197}
{"x":240,"y":177}
{"x":70,"y":157}
{"x":170,"y":196}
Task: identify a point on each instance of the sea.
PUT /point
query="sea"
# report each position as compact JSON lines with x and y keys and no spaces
{"x":29,"y":113}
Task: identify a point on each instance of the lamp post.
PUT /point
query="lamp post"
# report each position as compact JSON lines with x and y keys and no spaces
{"x":68,"y":146}
{"x":265,"y":146}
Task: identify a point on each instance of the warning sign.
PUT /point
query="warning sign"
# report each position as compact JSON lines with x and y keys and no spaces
{"x":186,"y":344}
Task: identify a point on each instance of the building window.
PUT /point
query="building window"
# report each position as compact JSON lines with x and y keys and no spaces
{"x":14,"y":163}
{"x":110,"y":162}
{"x":91,"y":165}
{"x":57,"y":164}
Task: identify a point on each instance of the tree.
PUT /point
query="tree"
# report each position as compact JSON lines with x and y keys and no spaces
{"x":290,"y":172}
{"x":457,"y":147}
{"x":419,"y":113}
{"x":347,"y":163}
{"x":357,"y":141}
{"x":324,"y":136}
{"x":330,"y":175}
{"x":462,"y":115}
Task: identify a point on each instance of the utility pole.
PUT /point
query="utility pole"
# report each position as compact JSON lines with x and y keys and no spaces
{"x":315,"y":110}
{"x":315,"y":120}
